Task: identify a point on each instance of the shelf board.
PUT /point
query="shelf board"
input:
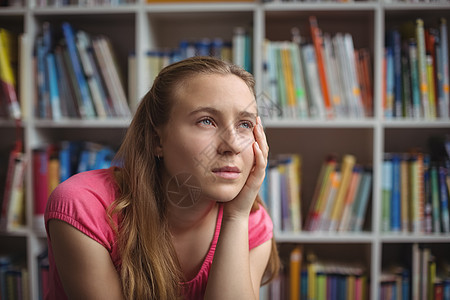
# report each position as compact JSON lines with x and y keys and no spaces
{"x":411,"y":123}
{"x":324,"y":237}
{"x":76,"y":10}
{"x":436,"y":5}
{"x":414,"y":238}
{"x":19,"y":232}
{"x":107,"y":123}
{"x":200,"y":7}
{"x":336,"y":123}
{"x":320,"y":6}
{"x":12,"y":11}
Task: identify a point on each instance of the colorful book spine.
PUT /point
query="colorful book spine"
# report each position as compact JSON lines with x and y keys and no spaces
{"x":415,"y":84}
{"x":422,"y":63}
{"x":386,"y":193}
{"x":87,"y":108}
{"x":7,"y":79}
{"x":395,"y":203}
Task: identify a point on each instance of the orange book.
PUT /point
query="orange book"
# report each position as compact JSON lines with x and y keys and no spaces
{"x":294,"y":273}
{"x":317,"y":40}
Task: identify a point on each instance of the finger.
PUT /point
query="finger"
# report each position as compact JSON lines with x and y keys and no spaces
{"x":260,"y":137}
{"x":257,"y":176}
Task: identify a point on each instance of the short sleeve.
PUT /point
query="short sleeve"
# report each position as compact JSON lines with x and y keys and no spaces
{"x":260,"y":227}
{"x":82,"y":201}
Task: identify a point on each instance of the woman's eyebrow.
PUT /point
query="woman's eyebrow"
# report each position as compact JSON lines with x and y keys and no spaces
{"x":215,"y":111}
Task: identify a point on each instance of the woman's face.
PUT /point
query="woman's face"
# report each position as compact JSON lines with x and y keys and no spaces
{"x":210,"y":134}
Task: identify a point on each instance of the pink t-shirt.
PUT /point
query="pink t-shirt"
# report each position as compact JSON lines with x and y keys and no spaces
{"x":82,"y":201}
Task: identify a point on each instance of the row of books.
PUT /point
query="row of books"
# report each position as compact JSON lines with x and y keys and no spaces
{"x":319,"y":77}
{"x":77,"y":76}
{"x":13,"y":278}
{"x":237,"y":50}
{"x":43,"y":273}
{"x":430,"y":276}
{"x":341,"y":196}
{"x":9,"y":103}
{"x":340,"y":199}
{"x":308,"y":277}
{"x":416,"y":71}
{"x":415,"y":193}
{"x":55,"y":163}
{"x":426,"y":278}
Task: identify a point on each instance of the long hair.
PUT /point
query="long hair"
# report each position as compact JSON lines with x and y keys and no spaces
{"x":149,"y":265}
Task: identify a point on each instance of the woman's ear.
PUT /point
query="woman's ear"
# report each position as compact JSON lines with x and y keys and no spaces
{"x":158,"y":144}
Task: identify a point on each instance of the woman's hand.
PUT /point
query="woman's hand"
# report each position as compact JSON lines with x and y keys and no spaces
{"x":241,"y":205}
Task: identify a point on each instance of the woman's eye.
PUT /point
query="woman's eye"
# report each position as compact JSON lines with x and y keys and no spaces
{"x":246,"y":125}
{"x":207,"y":122}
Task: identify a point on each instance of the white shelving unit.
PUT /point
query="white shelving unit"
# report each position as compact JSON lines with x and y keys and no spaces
{"x":139,"y":27}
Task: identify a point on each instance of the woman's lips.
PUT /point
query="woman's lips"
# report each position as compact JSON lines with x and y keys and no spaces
{"x":227,"y":172}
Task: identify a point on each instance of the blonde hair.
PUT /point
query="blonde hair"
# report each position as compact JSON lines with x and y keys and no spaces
{"x":149,"y":265}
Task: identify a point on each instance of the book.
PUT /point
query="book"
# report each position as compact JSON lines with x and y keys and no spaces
{"x":13,"y":206}
{"x":386,"y":186}
{"x":444,"y":195}
{"x":54,"y":95}
{"x":362,"y":201}
{"x":40,"y":159}
{"x":414,"y":74}
{"x":109,"y":69}
{"x":422,"y":68}
{"x":347,"y":215}
{"x":347,"y":164}
{"x":86,"y":108}
{"x":444,"y":63}
{"x":99,"y":98}
{"x":314,"y":92}
{"x":7,"y":75}
{"x":321,"y":67}
{"x":395,"y":213}
{"x":295,"y":266}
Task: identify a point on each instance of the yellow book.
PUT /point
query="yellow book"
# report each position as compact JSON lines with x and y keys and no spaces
{"x":322,"y":191}
{"x":348,"y":162}
{"x":7,"y":75}
{"x":351,"y":287}
{"x":294,"y":191}
{"x":311,"y":269}
{"x":431,"y":94}
{"x":289,"y":80}
{"x":294,"y":273}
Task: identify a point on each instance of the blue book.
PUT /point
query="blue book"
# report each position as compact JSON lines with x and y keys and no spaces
{"x":446,"y":289}
{"x":304,"y":284}
{"x":55,"y":102}
{"x":405,"y":284}
{"x":394,"y":41}
{"x":65,"y":169}
{"x":362,"y":199}
{"x":87,"y":109}
{"x":386,"y":187}
{"x":395,"y":196}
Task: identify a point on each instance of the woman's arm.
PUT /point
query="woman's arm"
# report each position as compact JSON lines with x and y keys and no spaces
{"x":236,"y":272}
{"x":84,"y":266}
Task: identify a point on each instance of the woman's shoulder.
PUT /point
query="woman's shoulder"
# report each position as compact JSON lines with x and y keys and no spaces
{"x":90,"y":189}
{"x":260,"y":227}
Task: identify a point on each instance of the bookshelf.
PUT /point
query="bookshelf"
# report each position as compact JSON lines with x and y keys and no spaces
{"x":140,"y":26}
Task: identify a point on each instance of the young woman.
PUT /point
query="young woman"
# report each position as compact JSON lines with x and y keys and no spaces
{"x":178,"y":217}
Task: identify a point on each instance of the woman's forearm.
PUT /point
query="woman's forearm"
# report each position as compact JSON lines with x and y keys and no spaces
{"x":230,"y":276}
